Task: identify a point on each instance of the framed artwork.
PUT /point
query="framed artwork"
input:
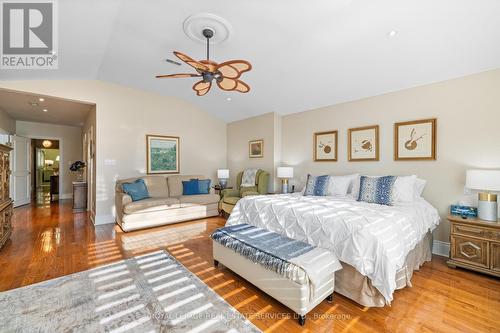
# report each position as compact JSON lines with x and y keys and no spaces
{"x":415,"y":140}
{"x":363,"y":143}
{"x":325,"y":146}
{"x":256,"y":148}
{"x":162,"y":154}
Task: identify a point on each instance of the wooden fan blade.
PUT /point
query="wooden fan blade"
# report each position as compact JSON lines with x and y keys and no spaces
{"x":227,"y":84}
{"x":202,"y":87}
{"x":242,"y":87}
{"x":176,"y":76}
{"x":234,"y":68}
{"x":191,"y":62}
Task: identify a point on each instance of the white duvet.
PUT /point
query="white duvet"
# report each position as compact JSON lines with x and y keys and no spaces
{"x":375,"y":239}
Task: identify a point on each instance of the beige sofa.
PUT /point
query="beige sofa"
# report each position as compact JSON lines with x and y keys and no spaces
{"x":166,"y":203}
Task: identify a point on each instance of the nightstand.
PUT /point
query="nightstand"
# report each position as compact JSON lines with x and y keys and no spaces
{"x":475,"y":245}
{"x":218,"y":189}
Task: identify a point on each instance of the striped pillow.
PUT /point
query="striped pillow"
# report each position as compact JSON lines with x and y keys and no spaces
{"x":317,"y":185}
{"x":377,"y":190}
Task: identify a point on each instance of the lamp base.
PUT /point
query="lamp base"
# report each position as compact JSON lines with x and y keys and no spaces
{"x":223,"y":183}
{"x":284,"y":186}
{"x":487,"y":207}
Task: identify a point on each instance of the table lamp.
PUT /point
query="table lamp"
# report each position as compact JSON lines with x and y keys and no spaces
{"x":488,"y":181}
{"x":223,"y":175}
{"x":285,"y":173}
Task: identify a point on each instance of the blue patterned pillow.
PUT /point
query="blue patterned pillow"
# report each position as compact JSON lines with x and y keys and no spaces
{"x":377,"y":190}
{"x":317,"y":185}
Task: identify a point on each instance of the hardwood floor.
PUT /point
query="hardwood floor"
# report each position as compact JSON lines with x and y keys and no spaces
{"x":51,"y":241}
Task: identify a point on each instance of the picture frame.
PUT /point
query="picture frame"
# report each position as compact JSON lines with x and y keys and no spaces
{"x":256,"y":148}
{"x":325,"y":146}
{"x":415,"y":140}
{"x":363,"y":143}
{"x":162,"y":154}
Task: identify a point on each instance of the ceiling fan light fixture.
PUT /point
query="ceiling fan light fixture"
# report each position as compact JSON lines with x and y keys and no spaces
{"x":226,"y":74}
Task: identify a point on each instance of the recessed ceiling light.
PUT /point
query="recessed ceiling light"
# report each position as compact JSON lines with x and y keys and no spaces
{"x":45,"y":110}
{"x":228,"y":99}
{"x":41,"y":99}
{"x":33,"y":104}
{"x":392,"y":33}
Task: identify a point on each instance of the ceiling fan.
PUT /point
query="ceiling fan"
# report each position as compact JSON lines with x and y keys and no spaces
{"x":226,"y":75}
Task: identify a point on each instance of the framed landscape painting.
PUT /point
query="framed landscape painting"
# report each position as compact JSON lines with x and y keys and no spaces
{"x":256,"y":148}
{"x":325,"y":146}
{"x":363,"y":143}
{"x":415,"y":140}
{"x":162,"y":154}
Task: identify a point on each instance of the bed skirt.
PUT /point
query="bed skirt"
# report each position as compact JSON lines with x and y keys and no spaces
{"x":352,"y":284}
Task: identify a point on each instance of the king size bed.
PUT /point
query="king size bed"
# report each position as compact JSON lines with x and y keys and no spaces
{"x":379,"y":246}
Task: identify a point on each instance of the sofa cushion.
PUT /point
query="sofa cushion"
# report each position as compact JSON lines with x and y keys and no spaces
{"x":175,"y":184}
{"x":198,"y":199}
{"x":231,"y":200}
{"x":151,"y":205}
{"x":156,"y":185}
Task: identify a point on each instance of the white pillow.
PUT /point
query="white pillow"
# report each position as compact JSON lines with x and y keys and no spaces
{"x":419,"y":187}
{"x":404,"y":189}
{"x":338,"y":185}
{"x":354,"y":188}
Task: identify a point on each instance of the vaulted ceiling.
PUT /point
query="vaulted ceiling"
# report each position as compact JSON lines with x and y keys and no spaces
{"x":305,"y":54}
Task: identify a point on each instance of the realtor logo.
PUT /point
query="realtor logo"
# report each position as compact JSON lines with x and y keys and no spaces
{"x":29,"y":39}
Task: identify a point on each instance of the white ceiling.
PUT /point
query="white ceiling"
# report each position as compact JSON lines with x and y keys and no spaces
{"x":305,"y":54}
{"x":59,"y":111}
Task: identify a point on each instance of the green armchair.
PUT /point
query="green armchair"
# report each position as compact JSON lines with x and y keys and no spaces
{"x":231,"y":196}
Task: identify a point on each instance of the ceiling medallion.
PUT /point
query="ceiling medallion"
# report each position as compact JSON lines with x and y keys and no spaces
{"x":195,"y":24}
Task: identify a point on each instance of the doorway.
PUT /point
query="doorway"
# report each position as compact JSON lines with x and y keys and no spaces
{"x":46,"y":166}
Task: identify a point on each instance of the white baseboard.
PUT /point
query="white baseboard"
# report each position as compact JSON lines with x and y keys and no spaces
{"x":66,"y":196}
{"x":441,"y":248}
{"x":104,"y":219}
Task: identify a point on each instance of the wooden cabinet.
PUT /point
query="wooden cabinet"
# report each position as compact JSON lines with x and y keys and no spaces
{"x":475,"y":244}
{"x":5,"y":200}
{"x":79,"y":197}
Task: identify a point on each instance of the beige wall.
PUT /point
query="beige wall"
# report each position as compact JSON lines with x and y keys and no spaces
{"x":7,"y":123}
{"x":468,"y":113}
{"x":70,"y":146}
{"x":239,"y":133}
{"x":124,"y":117}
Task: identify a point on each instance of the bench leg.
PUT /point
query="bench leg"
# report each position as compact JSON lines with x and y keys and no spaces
{"x":302,"y":320}
{"x":330,"y":298}
{"x":216,"y":263}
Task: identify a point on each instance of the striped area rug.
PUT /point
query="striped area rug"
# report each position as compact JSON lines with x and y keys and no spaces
{"x":148,"y":293}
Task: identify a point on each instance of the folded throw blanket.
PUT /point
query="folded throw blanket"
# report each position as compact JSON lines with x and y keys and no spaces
{"x":249,"y":177}
{"x":295,"y":260}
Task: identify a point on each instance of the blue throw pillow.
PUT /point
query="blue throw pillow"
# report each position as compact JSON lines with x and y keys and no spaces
{"x":204,"y":186}
{"x":196,"y":186}
{"x":377,"y":190}
{"x":137,"y":190}
{"x":190,"y":187}
{"x":317,"y":185}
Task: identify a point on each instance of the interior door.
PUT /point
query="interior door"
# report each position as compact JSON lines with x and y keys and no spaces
{"x":21,"y":173}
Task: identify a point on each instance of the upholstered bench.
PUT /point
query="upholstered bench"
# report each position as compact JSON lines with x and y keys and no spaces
{"x":295,"y":273}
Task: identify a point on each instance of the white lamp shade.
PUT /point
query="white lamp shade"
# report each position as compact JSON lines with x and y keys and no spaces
{"x":285,"y":172}
{"x":223,"y":173}
{"x":486,"y":180}
{"x":57,"y":158}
